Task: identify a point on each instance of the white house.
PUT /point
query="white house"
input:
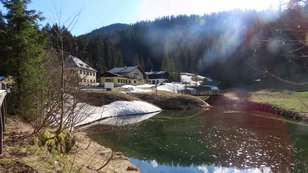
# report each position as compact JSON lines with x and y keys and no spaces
{"x":86,"y":74}
{"x":119,"y":76}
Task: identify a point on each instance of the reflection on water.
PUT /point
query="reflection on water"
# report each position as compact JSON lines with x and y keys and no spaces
{"x":154,"y":167}
{"x":211,"y":141}
{"x":125,"y":120}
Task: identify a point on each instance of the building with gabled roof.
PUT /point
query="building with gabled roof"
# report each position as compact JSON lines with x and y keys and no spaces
{"x":119,"y":76}
{"x":157,"y":77}
{"x":86,"y":74}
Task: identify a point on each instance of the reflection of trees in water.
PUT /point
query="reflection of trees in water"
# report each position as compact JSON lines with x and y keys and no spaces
{"x":169,"y":142}
{"x":246,"y":141}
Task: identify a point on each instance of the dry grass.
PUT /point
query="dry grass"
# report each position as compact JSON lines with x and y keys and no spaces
{"x":99,"y":98}
{"x":297,"y":101}
{"x":172,"y":101}
{"x":87,"y":156}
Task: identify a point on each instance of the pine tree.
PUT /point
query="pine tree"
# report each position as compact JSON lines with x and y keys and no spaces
{"x":136,"y":61}
{"x":166,"y":63}
{"x":3,"y":47}
{"x":108,"y":55}
{"x":119,"y":58}
{"x":26,"y":50}
{"x":148,"y":65}
{"x":98,"y":56}
{"x":142,"y":64}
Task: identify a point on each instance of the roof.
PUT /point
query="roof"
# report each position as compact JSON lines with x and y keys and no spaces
{"x":109,"y":74}
{"x":2,"y":78}
{"x":121,"y":70}
{"x":155,"y":72}
{"x":76,"y":62}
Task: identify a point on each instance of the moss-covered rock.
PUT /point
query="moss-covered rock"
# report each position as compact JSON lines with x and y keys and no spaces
{"x":61,"y":143}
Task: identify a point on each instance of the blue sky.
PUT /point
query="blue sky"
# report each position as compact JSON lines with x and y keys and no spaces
{"x":93,"y":14}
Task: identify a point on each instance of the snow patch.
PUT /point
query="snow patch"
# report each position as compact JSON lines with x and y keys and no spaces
{"x":145,"y":86}
{"x":191,"y":79}
{"x":171,"y":87}
{"x":136,"y":89}
{"x":117,"y":108}
{"x":212,"y":87}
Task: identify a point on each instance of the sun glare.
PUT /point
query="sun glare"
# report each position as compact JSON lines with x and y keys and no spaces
{"x":151,"y":9}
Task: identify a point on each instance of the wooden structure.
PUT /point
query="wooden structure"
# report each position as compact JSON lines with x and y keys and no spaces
{"x":3,"y":114}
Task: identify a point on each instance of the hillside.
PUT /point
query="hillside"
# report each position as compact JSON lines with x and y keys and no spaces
{"x":108,"y":29}
{"x":235,"y":47}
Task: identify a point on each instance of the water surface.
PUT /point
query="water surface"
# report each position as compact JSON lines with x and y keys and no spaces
{"x":217,"y":140}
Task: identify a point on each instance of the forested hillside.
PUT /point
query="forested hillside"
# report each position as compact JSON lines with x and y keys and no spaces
{"x":235,"y":47}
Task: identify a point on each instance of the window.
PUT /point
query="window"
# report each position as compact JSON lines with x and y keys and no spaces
{"x":135,"y":81}
{"x":109,"y":80}
{"x":129,"y":81}
{"x":80,"y":71}
{"x":88,"y":73}
{"x":119,"y":81}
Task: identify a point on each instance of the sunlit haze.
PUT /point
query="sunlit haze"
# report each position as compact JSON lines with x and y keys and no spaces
{"x":98,"y":13}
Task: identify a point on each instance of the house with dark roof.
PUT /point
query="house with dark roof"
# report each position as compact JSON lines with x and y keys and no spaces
{"x":119,"y":76}
{"x":85,"y":73}
{"x":157,"y":77}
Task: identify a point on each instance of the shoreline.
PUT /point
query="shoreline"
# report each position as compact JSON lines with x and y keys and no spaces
{"x":245,"y":104}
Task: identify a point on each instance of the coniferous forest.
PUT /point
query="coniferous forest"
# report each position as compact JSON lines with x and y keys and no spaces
{"x":246,"y":56}
{"x":235,"y":47}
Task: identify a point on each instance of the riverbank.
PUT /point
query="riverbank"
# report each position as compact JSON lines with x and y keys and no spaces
{"x":173,"y":101}
{"x":164,"y":100}
{"x":20,"y":155}
{"x":246,"y":101}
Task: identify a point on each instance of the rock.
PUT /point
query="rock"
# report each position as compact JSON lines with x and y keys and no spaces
{"x":132,"y":168}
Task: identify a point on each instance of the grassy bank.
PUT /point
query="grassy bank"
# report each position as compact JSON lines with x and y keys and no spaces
{"x":291,"y":100}
{"x":162,"y":99}
{"x":172,"y":101}
{"x":100,"y":98}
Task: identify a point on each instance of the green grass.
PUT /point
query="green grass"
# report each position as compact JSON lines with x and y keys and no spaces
{"x":297,"y":101}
